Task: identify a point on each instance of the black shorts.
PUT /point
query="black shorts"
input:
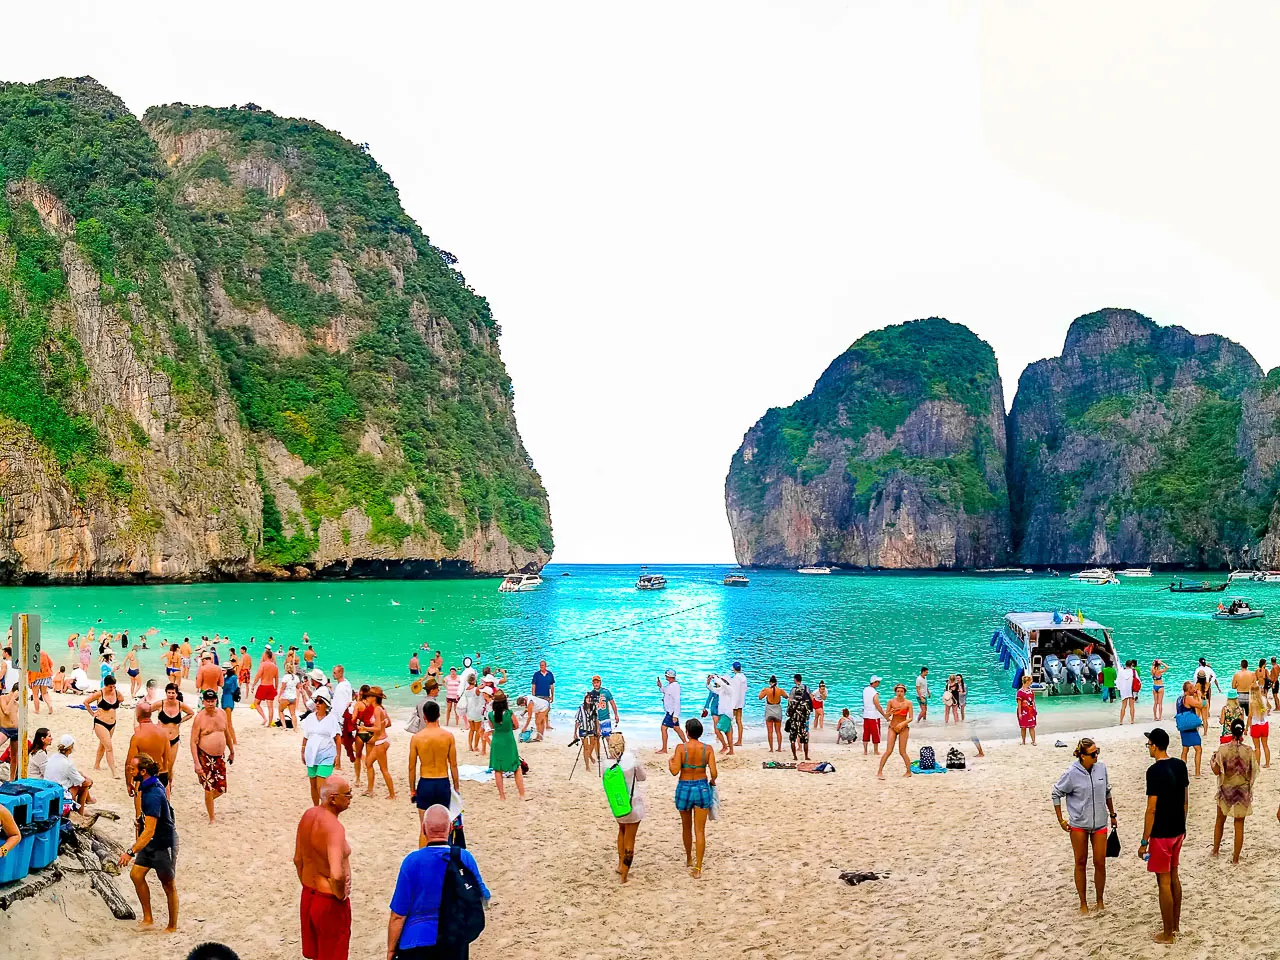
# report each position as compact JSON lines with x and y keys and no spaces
{"x":163,"y":860}
{"x":431,"y":791}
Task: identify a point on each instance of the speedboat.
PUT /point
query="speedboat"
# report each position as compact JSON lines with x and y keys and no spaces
{"x":1268,"y":576}
{"x":809,"y":568}
{"x":519,"y":583}
{"x":1136,"y":572}
{"x":1061,"y":652}
{"x":1235,"y":575}
{"x":735,"y":580}
{"x":652,"y":581}
{"x":1238,"y":609}
{"x":1097,"y":576}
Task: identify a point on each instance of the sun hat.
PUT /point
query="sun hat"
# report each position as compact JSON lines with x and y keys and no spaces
{"x":671,"y":674}
{"x":317,"y":675}
{"x":323,"y":694}
{"x":874,"y":678}
{"x":1233,"y":694}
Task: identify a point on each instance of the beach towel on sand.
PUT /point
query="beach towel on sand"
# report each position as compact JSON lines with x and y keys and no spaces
{"x":915,"y":768}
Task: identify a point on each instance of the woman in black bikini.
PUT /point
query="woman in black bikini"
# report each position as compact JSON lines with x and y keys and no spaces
{"x":170,"y":715}
{"x":104,"y":721}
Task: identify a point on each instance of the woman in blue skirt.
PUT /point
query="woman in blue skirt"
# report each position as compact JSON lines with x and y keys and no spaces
{"x":694,"y":763}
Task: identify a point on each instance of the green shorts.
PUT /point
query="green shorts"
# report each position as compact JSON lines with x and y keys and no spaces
{"x":725,"y":723}
{"x":320,"y":770}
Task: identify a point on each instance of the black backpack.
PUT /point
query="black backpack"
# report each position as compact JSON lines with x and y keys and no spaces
{"x":461,"y":905}
{"x":955,"y":759}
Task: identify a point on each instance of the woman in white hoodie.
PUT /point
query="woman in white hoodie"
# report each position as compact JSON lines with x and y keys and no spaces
{"x":1085,"y":789}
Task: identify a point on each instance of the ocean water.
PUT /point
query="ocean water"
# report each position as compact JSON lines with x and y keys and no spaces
{"x":839,"y":628}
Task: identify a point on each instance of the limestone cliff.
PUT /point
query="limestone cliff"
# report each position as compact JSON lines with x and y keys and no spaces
{"x":226,"y":351}
{"x":895,"y":460}
{"x":1142,"y":444}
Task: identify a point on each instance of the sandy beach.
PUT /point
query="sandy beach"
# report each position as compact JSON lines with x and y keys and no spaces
{"x":975,"y":863}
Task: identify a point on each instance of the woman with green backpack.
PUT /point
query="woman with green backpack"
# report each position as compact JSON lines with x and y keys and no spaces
{"x":626,"y":801}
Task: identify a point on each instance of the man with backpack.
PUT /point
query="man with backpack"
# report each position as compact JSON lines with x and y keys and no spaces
{"x":438,"y":906}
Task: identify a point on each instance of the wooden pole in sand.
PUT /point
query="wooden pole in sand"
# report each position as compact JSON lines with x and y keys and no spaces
{"x":19,"y":632}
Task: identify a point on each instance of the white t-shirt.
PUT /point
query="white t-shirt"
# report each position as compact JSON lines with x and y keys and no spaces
{"x":869,"y":711}
{"x":473,"y":704}
{"x":922,"y":688}
{"x":467,"y":673}
{"x":540,"y":704}
{"x":63,"y":772}
{"x":738,"y":684}
{"x":342,"y":696}
{"x":319,"y":736}
{"x":671,"y":698}
{"x":82,"y":681}
{"x":37,"y":763}
{"x":289,"y":686}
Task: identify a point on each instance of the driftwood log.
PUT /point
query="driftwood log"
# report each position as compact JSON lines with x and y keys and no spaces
{"x":103,"y":886}
{"x":29,"y":886}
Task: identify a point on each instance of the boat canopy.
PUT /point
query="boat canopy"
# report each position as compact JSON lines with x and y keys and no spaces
{"x":1038,"y":622}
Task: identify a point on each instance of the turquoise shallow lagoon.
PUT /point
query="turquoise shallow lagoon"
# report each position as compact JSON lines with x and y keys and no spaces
{"x":839,"y":628}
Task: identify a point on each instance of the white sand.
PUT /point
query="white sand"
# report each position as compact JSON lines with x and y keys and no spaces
{"x":977,"y":865}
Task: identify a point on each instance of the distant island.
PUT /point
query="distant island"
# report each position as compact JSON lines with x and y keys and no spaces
{"x":1140,"y":444}
{"x":229,"y":353}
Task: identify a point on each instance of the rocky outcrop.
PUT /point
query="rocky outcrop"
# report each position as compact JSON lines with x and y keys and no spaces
{"x":1142,"y":444}
{"x":213,"y":359}
{"x":895,"y":460}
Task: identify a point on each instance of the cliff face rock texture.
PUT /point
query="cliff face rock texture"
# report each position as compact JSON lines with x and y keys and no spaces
{"x":895,"y":460}
{"x":1142,"y":444}
{"x":226,"y":351}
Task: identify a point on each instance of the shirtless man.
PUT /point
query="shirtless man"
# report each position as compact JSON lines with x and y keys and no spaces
{"x":433,"y":762}
{"x":208,"y":745}
{"x":244,"y":668}
{"x":266,"y":684}
{"x":185,"y":661}
{"x":1243,"y":681}
{"x":323,"y":860}
{"x":209,"y":676}
{"x":151,"y":740}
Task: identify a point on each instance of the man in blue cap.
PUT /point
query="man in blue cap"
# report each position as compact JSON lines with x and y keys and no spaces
{"x":738,"y":684}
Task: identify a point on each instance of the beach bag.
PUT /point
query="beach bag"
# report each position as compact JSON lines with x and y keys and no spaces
{"x":927,"y":760}
{"x":416,"y":722}
{"x":1113,"y":844}
{"x":1187,"y":721}
{"x":713,"y":813}
{"x":461,"y":917}
{"x":955,"y":759}
{"x":526,"y":736}
{"x":614,"y":781}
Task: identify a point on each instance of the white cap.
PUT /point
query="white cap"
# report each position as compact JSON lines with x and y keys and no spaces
{"x":66,"y":740}
{"x":874,"y":679}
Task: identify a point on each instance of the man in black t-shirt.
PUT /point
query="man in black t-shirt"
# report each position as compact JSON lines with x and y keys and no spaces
{"x":1165,"y":828}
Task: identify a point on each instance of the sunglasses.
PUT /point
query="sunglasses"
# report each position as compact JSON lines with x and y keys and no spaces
{"x":1092,"y":753}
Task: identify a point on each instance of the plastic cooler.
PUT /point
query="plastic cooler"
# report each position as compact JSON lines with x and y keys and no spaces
{"x":46,"y":814}
{"x":18,"y":863}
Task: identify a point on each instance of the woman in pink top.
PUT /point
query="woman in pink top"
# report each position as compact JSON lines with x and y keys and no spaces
{"x":452,"y":691}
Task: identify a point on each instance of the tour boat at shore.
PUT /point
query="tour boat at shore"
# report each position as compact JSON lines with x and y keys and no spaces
{"x":1063,"y":653}
{"x":519,"y":583}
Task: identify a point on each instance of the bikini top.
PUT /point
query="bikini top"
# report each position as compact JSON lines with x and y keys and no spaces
{"x":166,"y":718}
{"x":694,"y":766}
{"x":103,"y":705}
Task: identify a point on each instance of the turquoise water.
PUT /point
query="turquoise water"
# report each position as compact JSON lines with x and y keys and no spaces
{"x":839,"y":628}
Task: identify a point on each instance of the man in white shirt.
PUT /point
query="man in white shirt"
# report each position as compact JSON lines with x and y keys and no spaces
{"x":342,"y":697}
{"x":738,"y":683}
{"x":872,"y":713}
{"x":60,"y":769}
{"x":922,"y":693}
{"x":671,"y":708}
{"x":1124,"y":684}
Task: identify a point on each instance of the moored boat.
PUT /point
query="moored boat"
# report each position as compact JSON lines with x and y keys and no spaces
{"x":1267,"y":576}
{"x":1238,"y":609}
{"x":1235,"y":575}
{"x":652,"y":581}
{"x":735,"y":580}
{"x":1196,"y":586}
{"x":519,"y":583}
{"x":1136,"y":572}
{"x":1063,"y":653}
{"x":811,"y":569}
{"x":1096,"y":576}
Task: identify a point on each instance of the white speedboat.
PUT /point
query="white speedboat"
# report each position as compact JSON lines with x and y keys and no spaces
{"x":1136,"y":572}
{"x":814,"y":569}
{"x":1063,"y":653}
{"x":1243,"y":575}
{"x":1095,"y":576}
{"x":735,"y":580}
{"x":519,"y":583}
{"x":652,"y":581}
{"x":1268,"y":576}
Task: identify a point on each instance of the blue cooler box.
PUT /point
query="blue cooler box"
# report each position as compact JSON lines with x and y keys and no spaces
{"x":18,"y":863}
{"x":46,"y":813}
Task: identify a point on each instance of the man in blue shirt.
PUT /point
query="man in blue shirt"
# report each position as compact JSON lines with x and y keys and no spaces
{"x":415,"y":905}
{"x":157,"y":846}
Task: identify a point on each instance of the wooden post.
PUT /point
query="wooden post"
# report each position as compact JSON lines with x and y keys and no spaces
{"x":20,"y":641}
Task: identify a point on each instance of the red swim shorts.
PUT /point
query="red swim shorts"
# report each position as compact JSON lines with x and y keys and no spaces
{"x":1163,"y":853}
{"x":870,"y":730}
{"x":326,"y":926}
{"x":264,"y":693}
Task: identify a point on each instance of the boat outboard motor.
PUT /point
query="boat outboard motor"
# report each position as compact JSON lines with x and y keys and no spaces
{"x":1095,"y":664}
{"x":1054,"y":671}
{"x":1076,"y":669}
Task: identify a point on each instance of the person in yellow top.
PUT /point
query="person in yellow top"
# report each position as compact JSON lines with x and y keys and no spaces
{"x":773,"y":695}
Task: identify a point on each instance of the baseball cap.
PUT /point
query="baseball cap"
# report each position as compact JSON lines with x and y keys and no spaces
{"x":66,"y":740}
{"x":737,"y":664}
{"x":1158,"y":738}
{"x":210,"y":695}
{"x":875,"y":679}
{"x":595,"y":678}
{"x":671,"y":674}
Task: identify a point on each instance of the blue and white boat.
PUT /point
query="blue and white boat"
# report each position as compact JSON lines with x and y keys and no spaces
{"x":1064,"y":653}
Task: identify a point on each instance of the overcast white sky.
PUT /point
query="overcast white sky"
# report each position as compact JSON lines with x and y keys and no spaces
{"x":682,"y":212}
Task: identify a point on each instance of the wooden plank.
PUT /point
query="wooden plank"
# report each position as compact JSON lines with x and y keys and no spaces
{"x":29,"y":886}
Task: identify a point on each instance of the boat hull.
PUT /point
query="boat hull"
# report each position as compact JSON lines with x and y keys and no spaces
{"x":1234,"y":617}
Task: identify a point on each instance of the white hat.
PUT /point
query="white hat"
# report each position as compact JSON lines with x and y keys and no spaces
{"x":324,"y":694}
{"x":318,"y":675}
{"x":66,"y":740}
{"x":874,"y":678}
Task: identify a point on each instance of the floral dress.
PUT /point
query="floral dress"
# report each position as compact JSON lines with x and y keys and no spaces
{"x":1026,"y":709}
{"x":1235,"y":782}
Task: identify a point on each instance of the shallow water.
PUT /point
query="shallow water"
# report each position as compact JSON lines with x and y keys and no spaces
{"x":839,"y":628}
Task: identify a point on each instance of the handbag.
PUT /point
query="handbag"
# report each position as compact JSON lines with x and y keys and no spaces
{"x":1187,"y":721}
{"x":1113,"y":844}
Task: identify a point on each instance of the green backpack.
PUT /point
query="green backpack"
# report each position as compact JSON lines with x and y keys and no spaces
{"x":616,"y":791}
